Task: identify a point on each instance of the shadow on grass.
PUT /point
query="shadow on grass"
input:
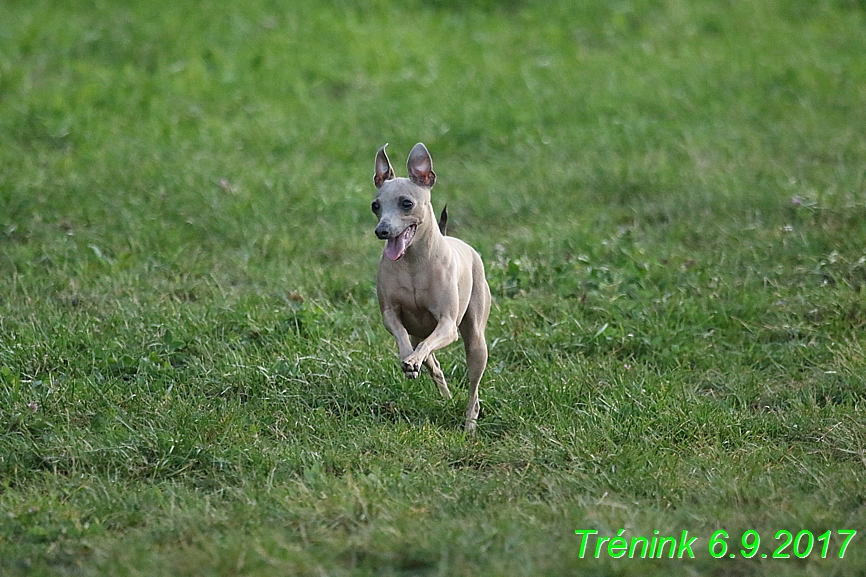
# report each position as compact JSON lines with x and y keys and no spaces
{"x":407,"y":562}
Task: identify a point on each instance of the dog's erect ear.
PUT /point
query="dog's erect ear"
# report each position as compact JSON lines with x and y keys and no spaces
{"x":383,"y":168}
{"x":420,"y":167}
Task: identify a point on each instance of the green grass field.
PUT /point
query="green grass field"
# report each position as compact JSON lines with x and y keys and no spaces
{"x":670,"y":199}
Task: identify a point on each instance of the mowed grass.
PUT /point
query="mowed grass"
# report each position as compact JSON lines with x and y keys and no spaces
{"x":670,"y":199}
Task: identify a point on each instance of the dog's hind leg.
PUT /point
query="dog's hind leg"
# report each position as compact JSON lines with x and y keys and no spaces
{"x":438,"y":376}
{"x":436,"y":373}
{"x":472,"y":330}
{"x":476,"y":361}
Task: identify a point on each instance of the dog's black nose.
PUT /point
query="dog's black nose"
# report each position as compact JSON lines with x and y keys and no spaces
{"x":381,"y":232}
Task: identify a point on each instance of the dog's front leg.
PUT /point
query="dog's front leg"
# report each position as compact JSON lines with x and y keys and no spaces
{"x":443,"y":335}
{"x":392,"y":322}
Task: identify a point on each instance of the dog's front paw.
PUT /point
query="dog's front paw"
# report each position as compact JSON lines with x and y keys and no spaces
{"x":411,"y":367}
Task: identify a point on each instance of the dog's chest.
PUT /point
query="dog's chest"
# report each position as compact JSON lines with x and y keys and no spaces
{"x":417,"y":305}
{"x":418,"y":298}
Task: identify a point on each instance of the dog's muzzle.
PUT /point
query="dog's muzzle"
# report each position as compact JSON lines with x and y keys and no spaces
{"x":381,"y":232}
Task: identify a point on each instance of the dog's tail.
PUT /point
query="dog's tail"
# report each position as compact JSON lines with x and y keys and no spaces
{"x":443,"y":219}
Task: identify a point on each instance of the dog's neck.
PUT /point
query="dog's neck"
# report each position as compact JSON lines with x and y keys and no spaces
{"x":427,"y":241}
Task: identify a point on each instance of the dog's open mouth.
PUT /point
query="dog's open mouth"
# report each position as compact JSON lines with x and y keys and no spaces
{"x":396,"y":246}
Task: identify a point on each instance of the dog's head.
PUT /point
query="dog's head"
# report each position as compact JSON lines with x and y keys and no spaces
{"x":403,"y":204}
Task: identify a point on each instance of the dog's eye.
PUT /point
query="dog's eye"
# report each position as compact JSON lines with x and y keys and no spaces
{"x":375,"y":206}
{"x":407,"y":204}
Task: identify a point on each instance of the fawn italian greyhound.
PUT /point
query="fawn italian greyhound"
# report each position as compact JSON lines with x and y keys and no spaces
{"x":430,"y":286}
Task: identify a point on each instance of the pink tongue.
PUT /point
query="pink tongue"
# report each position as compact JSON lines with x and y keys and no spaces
{"x":395,"y":247}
